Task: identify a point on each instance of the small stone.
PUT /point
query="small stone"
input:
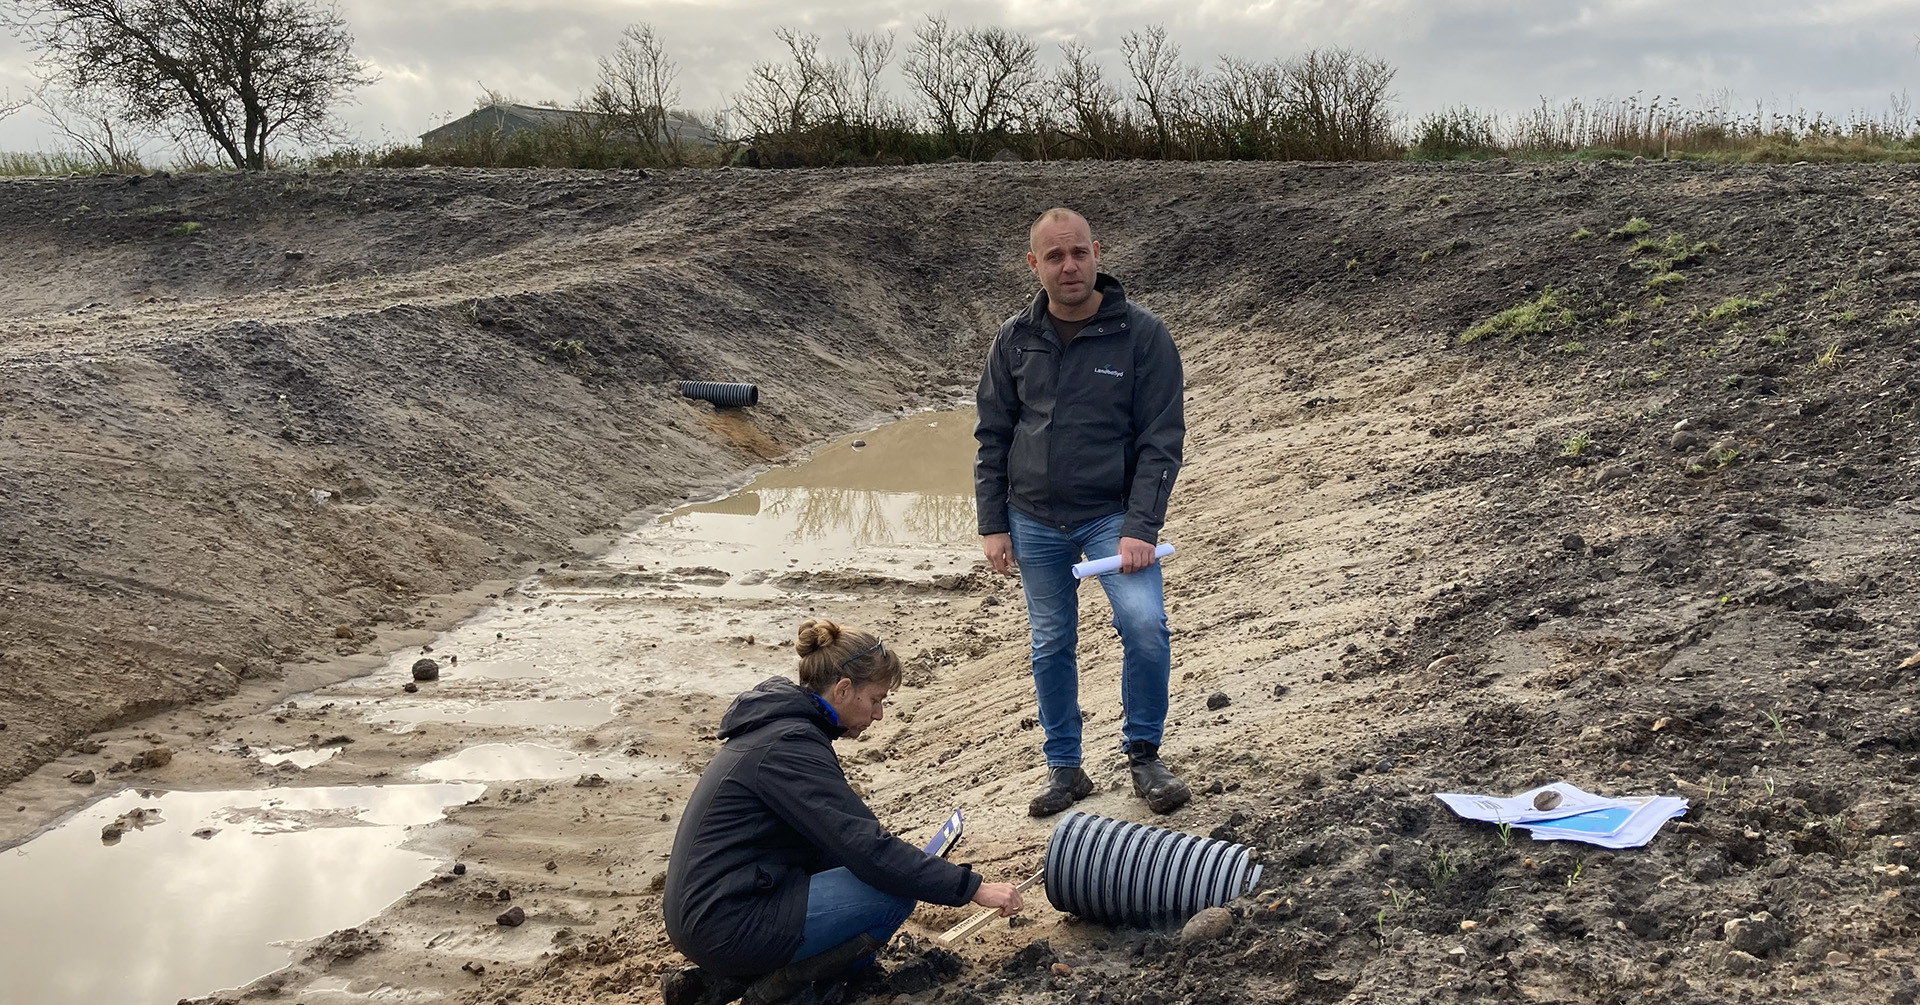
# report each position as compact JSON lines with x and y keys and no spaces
{"x":1546,"y":800}
{"x":553,"y":866}
{"x":512,"y":917}
{"x":158,"y":757}
{"x":1838,"y":959}
{"x":1206,"y":926}
{"x":343,"y":631}
{"x":84,"y":746}
{"x":1062,"y":970}
{"x":82,"y":777}
{"x":1740,"y":963}
{"x":591,"y":782}
{"x":206,"y":833}
{"x":1468,"y":926}
{"x":410,"y":687}
{"x":1612,"y":473}
{"x":503,"y":896}
{"x":1280,"y":690}
{"x":111,"y":832}
{"x":425,"y":669}
{"x":1443,"y":664}
{"x":1217,"y":701}
{"x":1757,"y":935}
{"x":857,"y":444}
{"x":1685,"y":440}
{"x":474,"y":967}
{"x":459,"y":868}
{"x":1574,"y":542}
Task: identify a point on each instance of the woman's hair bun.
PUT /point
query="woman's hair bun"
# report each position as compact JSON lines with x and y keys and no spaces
{"x":815,"y":635}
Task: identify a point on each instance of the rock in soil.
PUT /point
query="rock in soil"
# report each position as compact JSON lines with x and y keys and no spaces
{"x":425,"y":669}
{"x":512,"y":917}
{"x":1206,"y":926}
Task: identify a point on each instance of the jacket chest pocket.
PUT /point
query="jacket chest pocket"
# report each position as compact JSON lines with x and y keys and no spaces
{"x":1033,"y":369}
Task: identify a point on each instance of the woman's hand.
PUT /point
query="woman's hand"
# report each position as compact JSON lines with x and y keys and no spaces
{"x":1003,"y":896}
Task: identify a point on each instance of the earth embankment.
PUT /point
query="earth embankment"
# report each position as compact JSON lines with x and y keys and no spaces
{"x":1653,"y":530}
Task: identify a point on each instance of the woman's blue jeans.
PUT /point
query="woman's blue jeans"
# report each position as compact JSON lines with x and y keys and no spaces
{"x":1046,"y":558}
{"x":840,"y":906}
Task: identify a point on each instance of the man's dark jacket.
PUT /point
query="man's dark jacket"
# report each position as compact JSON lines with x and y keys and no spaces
{"x":1072,"y":433}
{"x":771,"y":809}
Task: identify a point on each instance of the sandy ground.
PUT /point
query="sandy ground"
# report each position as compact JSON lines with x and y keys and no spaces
{"x":1667,"y":546}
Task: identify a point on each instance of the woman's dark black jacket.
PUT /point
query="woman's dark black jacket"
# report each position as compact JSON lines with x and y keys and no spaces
{"x":772,"y":809}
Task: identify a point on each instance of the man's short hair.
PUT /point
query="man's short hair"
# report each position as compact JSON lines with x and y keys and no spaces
{"x":1056,"y":213}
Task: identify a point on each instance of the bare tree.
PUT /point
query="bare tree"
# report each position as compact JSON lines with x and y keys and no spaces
{"x":243,"y":72}
{"x":793,"y":97}
{"x":91,"y":121}
{"x":1340,"y":100}
{"x":872,"y":52}
{"x":1088,"y":108}
{"x":637,"y":90}
{"x":1154,"y":63}
{"x":935,"y":65}
{"x":1003,"y":71}
{"x":1246,"y":100}
{"x":10,"y":105}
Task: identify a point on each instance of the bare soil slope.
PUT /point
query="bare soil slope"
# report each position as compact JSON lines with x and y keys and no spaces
{"x":1663,"y":542}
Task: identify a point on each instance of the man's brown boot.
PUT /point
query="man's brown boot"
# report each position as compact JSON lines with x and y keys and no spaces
{"x":1163,"y":791}
{"x":1065,"y":786}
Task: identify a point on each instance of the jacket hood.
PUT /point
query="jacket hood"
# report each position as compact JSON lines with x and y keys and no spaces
{"x":770,"y":701}
{"x":1113,"y":300}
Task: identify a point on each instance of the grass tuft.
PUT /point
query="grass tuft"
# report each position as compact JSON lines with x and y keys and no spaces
{"x":1538,"y":316}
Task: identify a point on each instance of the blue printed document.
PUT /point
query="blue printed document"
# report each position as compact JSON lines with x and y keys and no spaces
{"x":1575,"y":815}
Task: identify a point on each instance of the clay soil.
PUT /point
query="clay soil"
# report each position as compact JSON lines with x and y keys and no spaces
{"x":256,"y":432}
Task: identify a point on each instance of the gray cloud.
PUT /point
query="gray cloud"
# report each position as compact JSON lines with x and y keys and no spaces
{"x":1836,"y":56}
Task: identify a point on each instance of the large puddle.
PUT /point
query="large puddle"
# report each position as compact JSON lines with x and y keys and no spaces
{"x":197,"y":891}
{"x":699,"y":601}
{"x":194,"y":898}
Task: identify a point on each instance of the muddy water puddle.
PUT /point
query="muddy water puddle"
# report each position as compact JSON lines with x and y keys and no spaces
{"x":563,"y":677}
{"x":698,"y":601}
{"x":200,"y":888}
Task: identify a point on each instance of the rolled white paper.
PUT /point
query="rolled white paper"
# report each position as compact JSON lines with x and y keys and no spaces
{"x":1102,"y":566}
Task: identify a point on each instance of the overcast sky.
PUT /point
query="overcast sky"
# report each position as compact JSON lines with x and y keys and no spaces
{"x":1833,"y":56}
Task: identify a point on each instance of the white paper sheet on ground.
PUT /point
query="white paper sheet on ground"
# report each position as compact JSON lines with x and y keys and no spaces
{"x":1102,"y":566}
{"x":1520,"y":809}
{"x":1615,"y":827}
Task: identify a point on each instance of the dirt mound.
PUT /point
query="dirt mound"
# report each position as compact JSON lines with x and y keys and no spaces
{"x":1655,"y":531}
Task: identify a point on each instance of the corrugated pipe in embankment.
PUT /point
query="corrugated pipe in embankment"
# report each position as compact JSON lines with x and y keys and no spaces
{"x":1119,"y":873}
{"x":722,"y":395}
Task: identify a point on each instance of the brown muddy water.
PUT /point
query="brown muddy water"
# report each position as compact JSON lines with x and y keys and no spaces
{"x":207,"y":891}
{"x":201,"y":888}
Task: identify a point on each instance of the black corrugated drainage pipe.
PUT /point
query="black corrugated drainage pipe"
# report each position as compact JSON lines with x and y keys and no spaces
{"x":1119,"y":873}
{"x":722,"y":395}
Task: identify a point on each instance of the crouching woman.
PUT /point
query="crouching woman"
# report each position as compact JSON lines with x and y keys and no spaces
{"x":777,"y":861}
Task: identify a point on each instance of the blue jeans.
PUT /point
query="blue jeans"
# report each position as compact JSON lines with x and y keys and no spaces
{"x":840,"y":906}
{"x":1046,"y":558}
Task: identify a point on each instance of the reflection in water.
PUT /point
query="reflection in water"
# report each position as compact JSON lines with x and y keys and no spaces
{"x":183,"y":916}
{"x":910,"y":485}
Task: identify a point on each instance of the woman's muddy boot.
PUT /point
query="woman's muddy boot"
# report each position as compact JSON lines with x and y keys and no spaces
{"x":799,"y":975}
{"x":1163,"y":791}
{"x":694,"y":986}
{"x":1065,"y":786}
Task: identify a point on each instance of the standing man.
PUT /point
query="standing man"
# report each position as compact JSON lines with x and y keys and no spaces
{"x":1080,"y":430}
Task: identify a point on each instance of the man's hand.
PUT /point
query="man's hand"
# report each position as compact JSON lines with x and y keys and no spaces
{"x":999,"y":550}
{"x":1003,"y":896}
{"x":1135,"y":554}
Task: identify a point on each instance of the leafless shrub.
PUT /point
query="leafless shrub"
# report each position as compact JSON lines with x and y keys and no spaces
{"x":637,"y":90}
